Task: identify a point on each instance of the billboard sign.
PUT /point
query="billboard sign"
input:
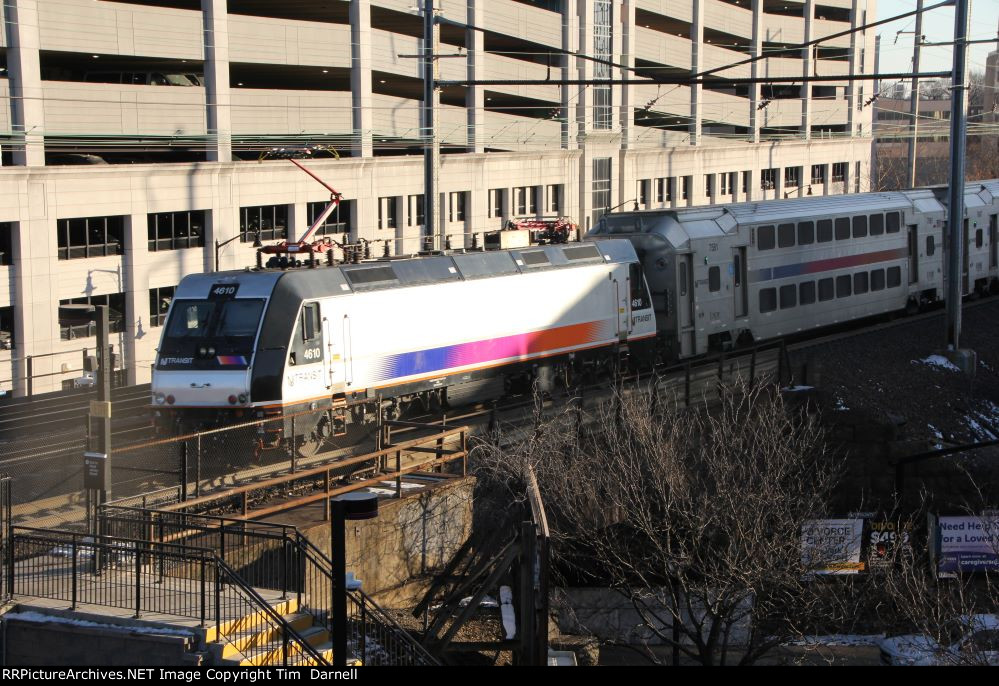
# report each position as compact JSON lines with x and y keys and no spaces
{"x":832,"y":546}
{"x":968,"y":544}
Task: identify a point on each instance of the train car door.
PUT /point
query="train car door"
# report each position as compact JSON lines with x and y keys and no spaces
{"x":739,"y":280}
{"x":685,"y":303}
{"x":622,"y":292}
{"x":993,"y":241}
{"x":913,"y":253}
{"x":348,"y":358}
{"x":328,"y":365}
{"x":964,"y":265}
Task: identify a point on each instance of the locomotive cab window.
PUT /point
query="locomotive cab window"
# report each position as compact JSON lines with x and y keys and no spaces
{"x":307,"y":345}
{"x":930,"y":246}
{"x":639,"y":291}
{"x":714,"y":279}
{"x":310,"y":322}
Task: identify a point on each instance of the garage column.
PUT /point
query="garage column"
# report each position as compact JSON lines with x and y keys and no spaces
{"x":217,"y":97}
{"x":360,"y":77}
{"x":24,"y":72}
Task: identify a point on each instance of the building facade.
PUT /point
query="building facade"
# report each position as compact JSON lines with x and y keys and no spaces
{"x":137,"y":134}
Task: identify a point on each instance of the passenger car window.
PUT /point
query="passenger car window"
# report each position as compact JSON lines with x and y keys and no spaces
{"x":860,"y":226}
{"x":714,"y":279}
{"x":788,"y":296}
{"x":768,"y":299}
{"x":842,"y":229}
{"x":806,"y":292}
{"x":826,"y":289}
{"x":806,"y":233}
{"x":893,"y":222}
{"x":877,"y":224}
{"x":825,"y":232}
{"x":859,"y":283}
{"x":878,"y":280}
{"x":844,"y":286}
{"x":765,"y":238}
{"x":894,"y":277}
{"x":785,"y":236}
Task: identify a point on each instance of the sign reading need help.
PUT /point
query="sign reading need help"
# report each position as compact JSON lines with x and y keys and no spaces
{"x":968,"y":544}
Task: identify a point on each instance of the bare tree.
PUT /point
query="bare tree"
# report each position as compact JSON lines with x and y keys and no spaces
{"x":693,"y":515}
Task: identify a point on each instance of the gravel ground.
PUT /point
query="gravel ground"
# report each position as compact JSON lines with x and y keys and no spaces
{"x":886,"y":373}
{"x":893,"y":377}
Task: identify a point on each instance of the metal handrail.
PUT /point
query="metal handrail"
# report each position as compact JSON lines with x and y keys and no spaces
{"x":369,"y":609}
{"x":287,"y":630}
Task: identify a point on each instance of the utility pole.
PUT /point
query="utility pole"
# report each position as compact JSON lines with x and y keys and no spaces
{"x":914,"y":95}
{"x":432,"y":149}
{"x":965,"y":359}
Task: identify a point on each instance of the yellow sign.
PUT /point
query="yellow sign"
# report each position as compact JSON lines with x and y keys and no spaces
{"x":100,"y":409}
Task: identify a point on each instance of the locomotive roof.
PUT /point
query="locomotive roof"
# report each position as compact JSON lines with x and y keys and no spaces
{"x":401,"y":273}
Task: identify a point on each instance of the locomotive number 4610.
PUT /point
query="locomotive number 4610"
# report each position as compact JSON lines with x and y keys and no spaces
{"x":223,"y":291}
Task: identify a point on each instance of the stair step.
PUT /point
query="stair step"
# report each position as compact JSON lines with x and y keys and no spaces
{"x":249,"y":622}
{"x":272,"y":653}
{"x":263,"y":634}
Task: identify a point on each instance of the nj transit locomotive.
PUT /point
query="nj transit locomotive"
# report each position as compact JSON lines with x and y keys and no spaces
{"x":262,"y":343}
{"x":454,"y":328}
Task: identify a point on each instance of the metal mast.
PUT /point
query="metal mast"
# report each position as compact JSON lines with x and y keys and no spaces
{"x":914,"y":95}
{"x":955,"y":209}
{"x":432,"y":148}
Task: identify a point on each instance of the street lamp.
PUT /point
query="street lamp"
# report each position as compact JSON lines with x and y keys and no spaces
{"x":347,"y":507}
{"x":219,"y":246}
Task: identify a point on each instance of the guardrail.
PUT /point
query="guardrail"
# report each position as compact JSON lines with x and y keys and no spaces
{"x":151,"y":576}
{"x":280,"y":558}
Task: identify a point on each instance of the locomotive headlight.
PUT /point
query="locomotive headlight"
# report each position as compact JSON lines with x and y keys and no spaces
{"x":243,"y":398}
{"x":159,"y":398}
{"x":170,"y":400}
{"x":211,"y":351}
{"x":232,"y":400}
{"x":202,"y":351}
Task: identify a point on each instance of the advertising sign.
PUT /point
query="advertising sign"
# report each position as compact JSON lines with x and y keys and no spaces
{"x":832,"y":546}
{"x":886,"y":542}
{"x":968,"y":544}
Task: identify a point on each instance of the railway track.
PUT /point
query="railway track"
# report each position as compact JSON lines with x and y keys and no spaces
{"x":46,"y":458}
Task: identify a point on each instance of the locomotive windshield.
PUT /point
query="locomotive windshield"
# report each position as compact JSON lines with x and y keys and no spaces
{"x":211,"y":334}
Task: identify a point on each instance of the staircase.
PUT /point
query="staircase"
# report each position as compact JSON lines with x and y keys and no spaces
{"x":253,"y":641}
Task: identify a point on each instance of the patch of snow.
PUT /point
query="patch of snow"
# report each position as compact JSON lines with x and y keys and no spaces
{"x":487,"y":601}
{"x":936,"y":432}
{"x":979,"y":431}
{"x":840,"y":405}
{"x":938,"y":361}
{"x":798,"y":388}
{"x":506,"y":610}
{"x":32,"y":616}
{"x":985,"y":364}
{"x":839,"y":640}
